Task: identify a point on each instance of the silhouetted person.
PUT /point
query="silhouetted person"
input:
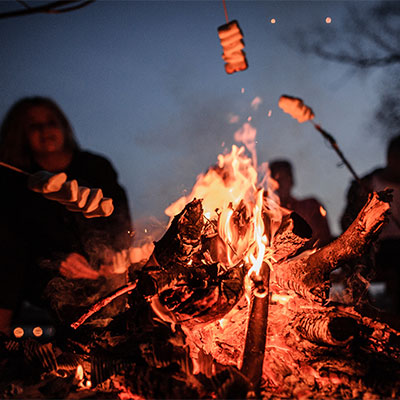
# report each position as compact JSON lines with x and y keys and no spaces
{"x":387,"y":250}
{"x":310,"y":209}
{"x":41,"y":239}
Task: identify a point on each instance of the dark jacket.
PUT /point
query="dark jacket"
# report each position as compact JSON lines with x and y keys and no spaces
{"x":37,"y":233}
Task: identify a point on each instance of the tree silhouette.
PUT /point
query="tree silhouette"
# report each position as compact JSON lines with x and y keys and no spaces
{"x":368,"y":38}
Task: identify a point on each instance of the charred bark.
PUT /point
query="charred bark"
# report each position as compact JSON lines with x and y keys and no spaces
{"x":254,"y":350}
{"x":183,"y":237}
{"x":354,"y":241}
{"x":291,"y":237}
{"x":327,"y":328}
{"x":308,"y":273}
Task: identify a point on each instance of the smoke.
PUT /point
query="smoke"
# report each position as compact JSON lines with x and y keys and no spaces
{"x":256,"y":103}
{"x":247,"y":135}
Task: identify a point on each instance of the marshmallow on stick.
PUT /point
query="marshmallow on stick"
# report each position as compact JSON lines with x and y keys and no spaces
{"x":74,"y":197}
{"x":68,"y":193}
{"x":296,"y":108}
{"x":83,"y":195}
{"x":104,"y":209}
{"x":93,"y":200}
{"x":46,"y":182}
{"x":231,"y":41}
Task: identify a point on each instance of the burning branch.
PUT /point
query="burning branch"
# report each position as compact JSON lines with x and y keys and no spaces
{"x":102,"y":303}
{"x":253,"y":355}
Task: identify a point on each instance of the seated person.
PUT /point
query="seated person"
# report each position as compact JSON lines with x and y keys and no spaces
{"x":41,"y":240}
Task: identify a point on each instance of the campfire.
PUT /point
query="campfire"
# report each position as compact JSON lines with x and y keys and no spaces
{"x":231,"y":303}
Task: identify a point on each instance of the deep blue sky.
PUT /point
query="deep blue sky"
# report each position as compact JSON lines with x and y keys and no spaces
{"x":143,"y":83}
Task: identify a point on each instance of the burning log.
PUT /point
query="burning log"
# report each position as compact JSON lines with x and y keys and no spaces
{"x":295,"y":344}
{"x":291,"y":237}
{"x":180,"y":279}
{"x":327,"y":328}
{"x":253,"y":355}
{"x":182,"y":238}
{"x":308,"y":274}
{"x":354,"y":241}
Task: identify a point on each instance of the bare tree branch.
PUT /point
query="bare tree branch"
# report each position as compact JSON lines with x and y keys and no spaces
{"x":367,"y":38}
{"x":55,"y":7}
{"x":361,"y":62}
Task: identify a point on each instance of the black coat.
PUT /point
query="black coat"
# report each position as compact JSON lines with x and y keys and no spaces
{"x":37,"y":233}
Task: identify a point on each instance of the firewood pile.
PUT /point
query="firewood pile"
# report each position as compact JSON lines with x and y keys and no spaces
{"x":183,"y":328}
{"x":232,"y":303}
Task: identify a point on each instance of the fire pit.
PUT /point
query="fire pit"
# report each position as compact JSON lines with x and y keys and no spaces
{"x":230,"y":304}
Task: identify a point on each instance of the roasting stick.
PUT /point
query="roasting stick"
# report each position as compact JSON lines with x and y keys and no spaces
{"x":295,"y":107}
{"x":335,"y":147}
{"x":3,"y":164}
{"x":302,"y":113}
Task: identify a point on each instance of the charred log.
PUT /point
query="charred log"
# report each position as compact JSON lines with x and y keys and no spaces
{"x":354,"y":241}
{"x":192,"y":295}
{"x":332,"y":328}
{"x":187,"y":306}
{"x":182,"y":238}
{"x":308,"y":273}
{"x":292,"y":235}
{"x":254,"y":350}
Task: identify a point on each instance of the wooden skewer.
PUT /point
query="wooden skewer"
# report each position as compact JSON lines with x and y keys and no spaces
{"x":334,"y":145}
{"x":3,"y":164}
{"x":103,"y":302}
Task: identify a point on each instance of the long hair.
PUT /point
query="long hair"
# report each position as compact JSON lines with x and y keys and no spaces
{"x":14,"y":145}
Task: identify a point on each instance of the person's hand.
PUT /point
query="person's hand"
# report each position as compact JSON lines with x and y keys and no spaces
{"x":118,"y":264}
{"x":75,"y":266}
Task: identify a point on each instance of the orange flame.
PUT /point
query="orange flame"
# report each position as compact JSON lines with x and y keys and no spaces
{"x":230,"y":190}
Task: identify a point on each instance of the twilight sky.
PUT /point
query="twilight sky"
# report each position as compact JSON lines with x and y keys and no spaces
{"x":144,"y":84}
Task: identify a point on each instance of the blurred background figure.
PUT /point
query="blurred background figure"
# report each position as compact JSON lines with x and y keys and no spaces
{"x":310,"y":209}
{"x":53,"y":261}
{"x":385,"y":262}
